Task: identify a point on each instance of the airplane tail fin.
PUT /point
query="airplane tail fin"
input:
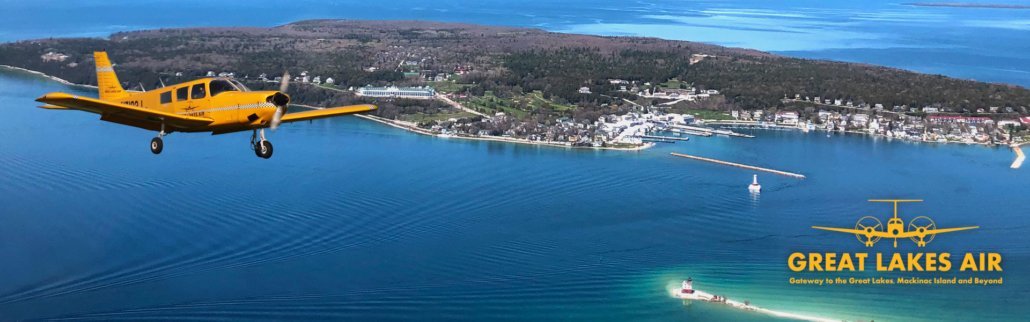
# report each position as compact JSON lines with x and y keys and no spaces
{"x":107,"y":81}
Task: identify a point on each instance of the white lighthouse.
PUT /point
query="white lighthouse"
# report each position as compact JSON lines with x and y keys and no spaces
{"x":754,"y":187}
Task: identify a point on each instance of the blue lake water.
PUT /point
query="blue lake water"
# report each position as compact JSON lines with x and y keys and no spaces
{"x":353,"y":219}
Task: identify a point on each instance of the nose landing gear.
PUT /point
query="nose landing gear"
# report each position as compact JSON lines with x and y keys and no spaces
{"x":262,"y":148}
{"x":157,"y":144}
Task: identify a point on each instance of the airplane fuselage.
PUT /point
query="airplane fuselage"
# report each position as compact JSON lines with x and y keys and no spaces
{"x":219,"y":99}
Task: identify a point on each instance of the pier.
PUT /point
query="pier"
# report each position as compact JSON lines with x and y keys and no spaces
{"x":1018,"y":162}
{"x":689,"y":132}
{"x":664,"y":138}
{"x":739,"y":165}
{"x":710,"y":131}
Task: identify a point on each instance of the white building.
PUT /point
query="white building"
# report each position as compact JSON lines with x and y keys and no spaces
{"x":787,"y":118}
{"x":329,"y":81}
{"x":393,"y":91}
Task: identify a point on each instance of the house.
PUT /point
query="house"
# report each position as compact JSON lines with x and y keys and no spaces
{"x":584,"y":90}
{"x":329,"y":81}
{"x":859,"y":120}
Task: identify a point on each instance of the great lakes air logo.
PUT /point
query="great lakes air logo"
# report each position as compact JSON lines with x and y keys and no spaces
{"x":920,"y":230}
{"x":869,"y":230}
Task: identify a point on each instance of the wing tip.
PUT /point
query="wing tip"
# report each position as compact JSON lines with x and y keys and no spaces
{"x":52,"y":96}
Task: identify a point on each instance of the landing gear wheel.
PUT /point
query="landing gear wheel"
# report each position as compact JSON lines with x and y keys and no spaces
{"x":263,"y":149}
{"x":156,"y":145}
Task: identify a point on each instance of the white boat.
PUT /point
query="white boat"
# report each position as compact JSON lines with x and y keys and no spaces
{"x":754,"y":187}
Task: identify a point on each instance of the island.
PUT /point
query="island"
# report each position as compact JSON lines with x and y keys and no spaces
{"x":532,"y":86}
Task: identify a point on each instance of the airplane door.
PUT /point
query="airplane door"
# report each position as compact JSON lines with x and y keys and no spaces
{"x":199,"y":101}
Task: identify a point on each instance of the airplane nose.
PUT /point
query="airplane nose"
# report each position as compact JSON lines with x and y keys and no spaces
{"x":279,"y":99}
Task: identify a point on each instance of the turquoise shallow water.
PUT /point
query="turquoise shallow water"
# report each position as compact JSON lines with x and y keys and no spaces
{"x":353,"y":219}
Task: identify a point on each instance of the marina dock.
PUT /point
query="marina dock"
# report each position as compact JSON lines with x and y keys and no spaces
{"x":689,"y":132}
{"x":739,"y":165}
{"x":710,"y":131}
{"x":665,"y":138}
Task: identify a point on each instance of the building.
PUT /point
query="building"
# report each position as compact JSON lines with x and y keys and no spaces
{"x":393,"y":91}
{"x":329,"y":81}
{"x":786,"y":118}
{"x":52,"y":56}
{"x":947,"y":119}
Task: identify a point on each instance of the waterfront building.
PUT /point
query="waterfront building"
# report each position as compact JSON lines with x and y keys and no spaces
{"x":786,"y":118}
{"x":947,"y":119}
{"x":393,"y":91}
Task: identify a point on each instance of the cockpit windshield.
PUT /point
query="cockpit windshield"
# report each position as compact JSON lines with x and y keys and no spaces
{"x":219,"y":86}
{"x":240,"y":86}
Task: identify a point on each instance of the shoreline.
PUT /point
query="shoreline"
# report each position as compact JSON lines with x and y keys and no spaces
{"x":44,"y":75}
{"x":863,"y":133}
{"x":412,"y":128}
{"x":706,"y":297}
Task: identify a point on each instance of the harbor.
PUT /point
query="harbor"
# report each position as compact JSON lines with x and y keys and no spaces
{"x":740,"y":165}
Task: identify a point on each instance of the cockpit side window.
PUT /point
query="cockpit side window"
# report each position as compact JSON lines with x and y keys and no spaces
{"x":198,"y":92}
{"x":182,"y":94}
{"x":219,"y":86}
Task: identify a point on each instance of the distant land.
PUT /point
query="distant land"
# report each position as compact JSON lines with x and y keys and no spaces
{"x":969,"y":5}
{"x":527,"y":83}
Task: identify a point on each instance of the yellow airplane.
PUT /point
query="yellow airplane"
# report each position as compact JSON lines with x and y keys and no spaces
{"x":216,"y":105}
{"x":895,"y":228}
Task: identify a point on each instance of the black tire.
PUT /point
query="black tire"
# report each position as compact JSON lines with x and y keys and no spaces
{"x":156,"y":145}
{"x":263,"y":149}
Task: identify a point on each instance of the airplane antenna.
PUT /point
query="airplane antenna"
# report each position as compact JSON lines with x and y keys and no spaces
{"x":141,"y":87}
{"x":162,"y":82}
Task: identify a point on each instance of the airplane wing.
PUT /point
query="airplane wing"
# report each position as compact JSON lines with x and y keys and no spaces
{"x":58,"y":100}
{"x":948,"y":230}
{"x":842,"y":230}
{"x":914,"y":233}
{"x":332,"y":111}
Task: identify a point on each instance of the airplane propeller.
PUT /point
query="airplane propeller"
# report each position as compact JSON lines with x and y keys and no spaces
{"x":284,"y":84}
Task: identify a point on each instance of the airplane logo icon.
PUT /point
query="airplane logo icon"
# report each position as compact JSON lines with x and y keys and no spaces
{"x":920,"y":230}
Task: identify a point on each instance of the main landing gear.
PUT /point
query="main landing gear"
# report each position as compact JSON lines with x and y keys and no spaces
{"x":262,"y":148}
{"x":157,"y":144}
